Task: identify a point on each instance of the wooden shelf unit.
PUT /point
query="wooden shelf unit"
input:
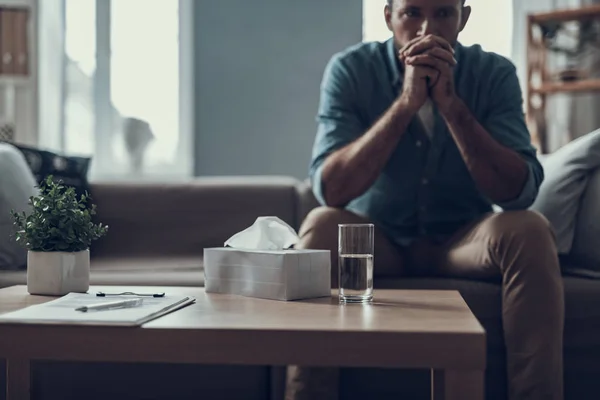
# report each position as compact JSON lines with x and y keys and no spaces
{"x":565,"y":15}
{"x":539,"y":83}
{"x":15,"y":40}
{"x":580,"y":86}
{"x":18,"y":86}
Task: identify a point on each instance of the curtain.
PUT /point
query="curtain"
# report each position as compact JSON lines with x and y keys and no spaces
{"x":567,"y":115}
{"x":51,"y":60}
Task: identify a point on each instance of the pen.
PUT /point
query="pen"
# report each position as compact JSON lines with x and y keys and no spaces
{"x":102,"y":294}
{"x":111,"y":304}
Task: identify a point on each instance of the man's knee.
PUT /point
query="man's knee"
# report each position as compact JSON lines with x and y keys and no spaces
{"x":525,"y":239}
{"x":524,"y":225}
{"x":320,"y":227}
{"x":527,"y":225}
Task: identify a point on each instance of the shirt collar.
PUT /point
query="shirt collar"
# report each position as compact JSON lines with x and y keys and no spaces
{"x":395,"y":65}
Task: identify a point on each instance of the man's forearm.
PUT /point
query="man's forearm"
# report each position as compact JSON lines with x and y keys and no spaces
{"x":350,"y":171}
{"x":499,"y":172}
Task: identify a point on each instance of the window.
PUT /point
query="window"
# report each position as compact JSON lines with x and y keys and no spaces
{"x":127,"y":87}
{"x":486,"y":13}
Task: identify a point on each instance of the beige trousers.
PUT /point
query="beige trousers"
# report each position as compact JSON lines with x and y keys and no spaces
{"x":516,"y":248}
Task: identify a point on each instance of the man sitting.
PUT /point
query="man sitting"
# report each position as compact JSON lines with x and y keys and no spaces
{"x":421,"y":136}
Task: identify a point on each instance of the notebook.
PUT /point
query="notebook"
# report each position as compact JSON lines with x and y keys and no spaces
{"x":63,"y":311}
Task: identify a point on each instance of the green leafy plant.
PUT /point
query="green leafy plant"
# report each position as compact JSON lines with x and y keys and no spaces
{"x":58,"y":221}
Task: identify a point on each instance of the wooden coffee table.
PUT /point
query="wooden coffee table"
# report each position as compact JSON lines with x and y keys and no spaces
{"x":401,"y":329}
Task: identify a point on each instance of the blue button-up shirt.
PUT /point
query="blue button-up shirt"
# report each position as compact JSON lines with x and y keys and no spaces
{"x":425,"y":188}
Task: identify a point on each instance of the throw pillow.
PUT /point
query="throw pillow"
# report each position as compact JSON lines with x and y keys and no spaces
{"x":567,"y":172}
{"x":17,"y":184}
{"x":586,"y":242}
{"x":71,"y":170}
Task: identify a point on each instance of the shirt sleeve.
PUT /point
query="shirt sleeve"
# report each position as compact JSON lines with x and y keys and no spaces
{"x":338,"y":122}
{"x":506,"y":123}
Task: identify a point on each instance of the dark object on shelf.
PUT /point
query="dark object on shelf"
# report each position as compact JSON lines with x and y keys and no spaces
{"x":571,"y":75}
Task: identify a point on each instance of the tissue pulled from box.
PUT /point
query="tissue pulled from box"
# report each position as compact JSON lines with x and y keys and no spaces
{"x":267,"y":233}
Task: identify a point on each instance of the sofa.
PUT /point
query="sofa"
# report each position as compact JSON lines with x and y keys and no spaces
{"x":157,"y":233}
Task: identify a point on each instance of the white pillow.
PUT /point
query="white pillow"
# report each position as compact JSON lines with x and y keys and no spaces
{"x":567,"y":172}
{"x":17,"y":184}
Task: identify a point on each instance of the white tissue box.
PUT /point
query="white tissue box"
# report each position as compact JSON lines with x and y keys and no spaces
{"x":268,"y":274}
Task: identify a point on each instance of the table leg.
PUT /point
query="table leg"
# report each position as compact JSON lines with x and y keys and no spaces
{"x":18,"y":379}
{"x":457,"y":384}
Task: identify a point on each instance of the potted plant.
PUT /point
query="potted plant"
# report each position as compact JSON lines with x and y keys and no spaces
{"x":57,"y":233}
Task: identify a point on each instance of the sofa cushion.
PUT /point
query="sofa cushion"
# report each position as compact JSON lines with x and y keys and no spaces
{"x":181,"y":218}
{"x":586,"y":242}
{"x":157,"y":271}
{"x":566,"y":176}
{"x":176,"y":271}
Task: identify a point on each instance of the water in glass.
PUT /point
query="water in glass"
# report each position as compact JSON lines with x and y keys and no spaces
{"x":356,"y":278}
{"x":355,"y":270}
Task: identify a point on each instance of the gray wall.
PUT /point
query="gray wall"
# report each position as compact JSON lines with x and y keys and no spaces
{"x":258,"y":67}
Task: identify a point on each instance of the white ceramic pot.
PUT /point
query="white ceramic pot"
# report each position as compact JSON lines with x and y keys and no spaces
{"x":58,"y":273}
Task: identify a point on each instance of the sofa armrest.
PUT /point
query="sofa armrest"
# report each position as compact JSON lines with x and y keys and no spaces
{"x":182,"y":218}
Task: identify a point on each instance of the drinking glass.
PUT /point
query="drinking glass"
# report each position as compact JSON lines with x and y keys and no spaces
{"x":355,"y":257}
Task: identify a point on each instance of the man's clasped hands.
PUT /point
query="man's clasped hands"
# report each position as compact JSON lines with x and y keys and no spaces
{"x":429,"y":62}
